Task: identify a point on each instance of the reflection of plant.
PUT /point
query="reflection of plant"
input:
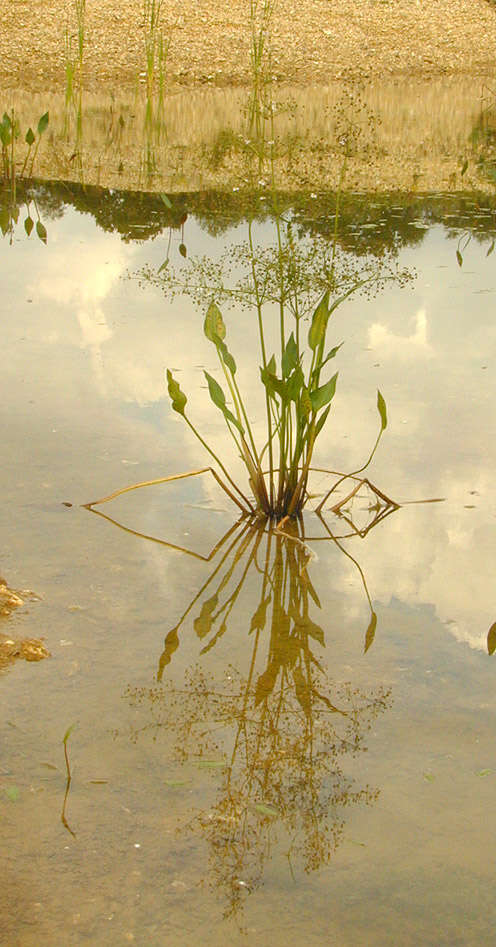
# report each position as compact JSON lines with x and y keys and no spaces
{"x":287,"y":726}
{"x":14,"y":178}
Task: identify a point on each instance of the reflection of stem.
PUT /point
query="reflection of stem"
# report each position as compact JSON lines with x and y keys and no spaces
{"x":68,"y":782}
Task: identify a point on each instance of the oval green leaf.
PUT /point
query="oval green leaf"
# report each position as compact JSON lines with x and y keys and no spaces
{"x":381,"y":407}
{"x":28,"y":225}
{"x":43,"y":123}
{"x":178,"y":398}
{"x":41,"y":231}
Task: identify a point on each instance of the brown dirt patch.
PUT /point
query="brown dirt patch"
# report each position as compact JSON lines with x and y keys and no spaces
{"x":312,"y":40}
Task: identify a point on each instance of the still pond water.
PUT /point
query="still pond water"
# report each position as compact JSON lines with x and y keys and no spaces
{"x":243,"y":771}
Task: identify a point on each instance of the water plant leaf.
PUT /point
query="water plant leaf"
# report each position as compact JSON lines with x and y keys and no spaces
{"x":459,"y":258}
{"x":289,"y":357}
{"x":275,"y":386}
{"x":323,"y":395}
{"x":295,"y":384}
{"x":212,"y":764}
{"x":320,"y":319}
{"x":178,"y":398}
{"x":203,"y":623}
{"x":166,"y":201}
{"x":28,"y":225}
{"x":43,"y":123}
{"x":30,"y":137}
{"x":370,"y":633}
{"x":41,"y":231}
{"x":214,"y":327}
{"x":322,"y":420}
{"x":6,"y":121}
{"x":305,"y":403}
{"x":183,"y":250}
{"x":219,"y":399}
{"x":491,"y":639}
{"x":491,"y":248}
{"x":264,"y":809}
{"x":68,"y":732}
{"x":381,"y":407}
{"x":332,"y":353}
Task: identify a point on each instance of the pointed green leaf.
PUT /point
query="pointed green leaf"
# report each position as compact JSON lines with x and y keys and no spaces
{"x":41,"y":231}
{"x":182,"y":249}
{"x":370,"y":633}
{"x":324,"y":394}
{"x":178,"y":398}
{"x":43,"y":123}
{"x":263,"y":809}
{"x":464,"y":167}
{"x":381,"y":407}
{"x":166,"y":201}
{"x":319,"y":322}
{"x":491,"y":248}
{"x":322,"y":420}
{"x":289,"y":357}
{"x":491,"y":639}
{"x":295,"y":384}
{"x":28,"y":225}
{"x":219,"y":399}
{"x":459,"y":258}
{"x":227,"y":357}
{"x":332,"y":354}
{"x":29,"y":137}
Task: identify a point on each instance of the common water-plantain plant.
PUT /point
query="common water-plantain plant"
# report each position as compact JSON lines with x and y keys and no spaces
{"x":298,"y":403}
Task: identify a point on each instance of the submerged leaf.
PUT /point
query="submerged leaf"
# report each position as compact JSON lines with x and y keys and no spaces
{"x":178,"y":398}
{"x":491,"y":639}
{"x":12,"y":793}
{"x":166,"y":201}
{"x":381,"y":407}
{"x":263,"y":809}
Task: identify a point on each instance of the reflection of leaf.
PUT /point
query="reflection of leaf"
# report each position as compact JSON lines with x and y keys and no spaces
{"x":203,"y":623}
{"x":171,"y":644}
{"x":303,"y":692}
{"x":259,"y":617}
{"x":491,"y":639}
{"x":28,"y":225}
{"x":370,"y":633}
{"x":459,"y":258}
{"x":304,"y":625}
{"x":266,"y":681}
{"x":182,"y":249}
{"x":41,"y":231}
